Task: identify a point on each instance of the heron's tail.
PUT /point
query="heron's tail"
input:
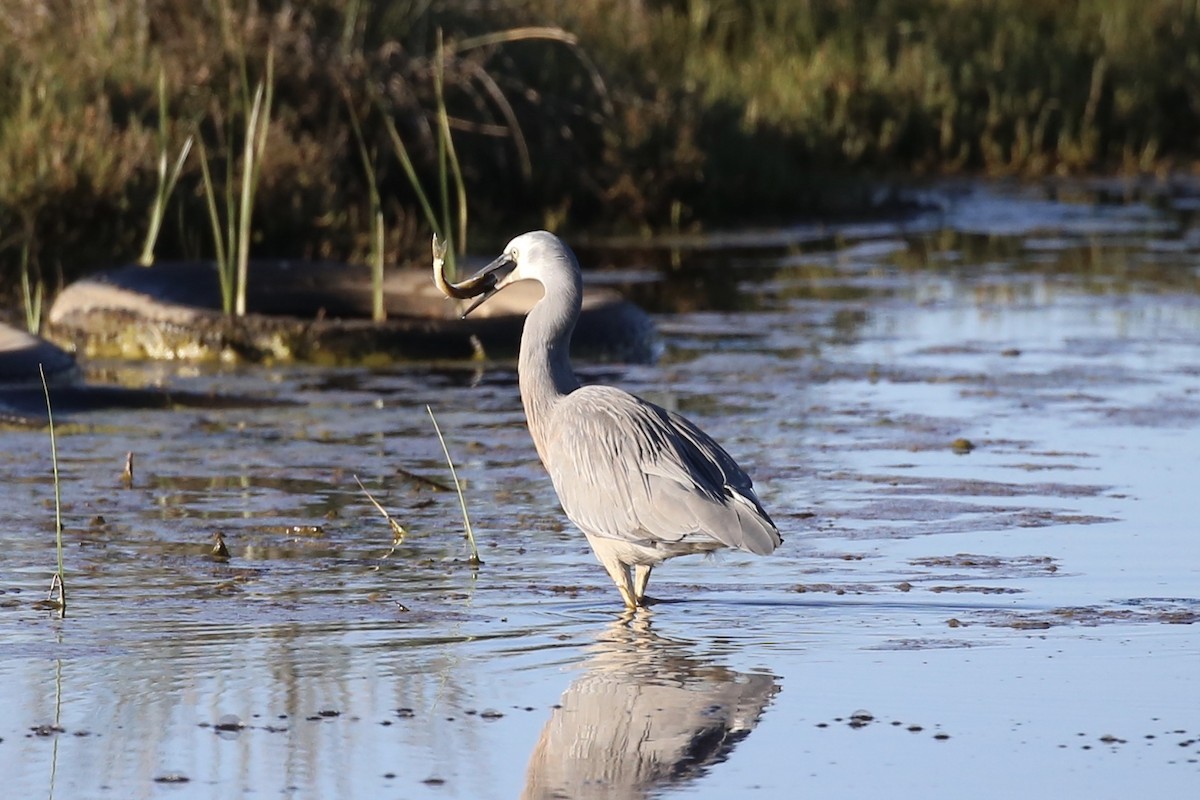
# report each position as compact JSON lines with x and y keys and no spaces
{"x":756,"y":532}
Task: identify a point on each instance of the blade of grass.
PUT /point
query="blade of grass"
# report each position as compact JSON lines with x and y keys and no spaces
{"x":510,"y":117}
{"x":535,"y":32}
{"x":166,"y":187}
{"x":244,"y":200}
{"x":514,"y":35}
{"x":398,"y":531}
{"x":252,"y":151}
{"x":444,"y":196}
{"x":58,"y":582}
{"x":214,"y":216}
{"x":448,"y":153}
{"x":166,"y":179}
{"x":462,"y":500}
{"x":414,"y":181}
{"x":231,"y":240}
{"x":32,"y":296}
{"x":378,"y":313}
{"x":409,"y":170}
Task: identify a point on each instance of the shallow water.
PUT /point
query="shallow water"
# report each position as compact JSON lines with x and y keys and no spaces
{"x":1016,"y":618}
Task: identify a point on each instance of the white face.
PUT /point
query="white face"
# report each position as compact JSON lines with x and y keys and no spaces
{"x":528,"y":251}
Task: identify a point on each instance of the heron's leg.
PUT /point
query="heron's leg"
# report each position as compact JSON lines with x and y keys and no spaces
{"x":641,"y":577}
{"x":620,"y":576}
{"x":617,"y":570}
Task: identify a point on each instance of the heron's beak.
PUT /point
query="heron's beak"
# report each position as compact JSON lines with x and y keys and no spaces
{"x":481,"y":285}
{"x":488,"y":281}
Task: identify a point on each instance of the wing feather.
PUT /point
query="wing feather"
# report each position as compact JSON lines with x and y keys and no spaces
{"x":627,"y":469}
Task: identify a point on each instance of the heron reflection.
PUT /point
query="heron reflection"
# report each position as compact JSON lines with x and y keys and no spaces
{"x":646,"y":714}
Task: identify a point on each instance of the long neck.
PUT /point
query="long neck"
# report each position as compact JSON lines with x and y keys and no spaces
{"x":544,"y":366}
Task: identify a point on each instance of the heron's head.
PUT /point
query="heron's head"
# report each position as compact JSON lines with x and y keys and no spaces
{"x":528,"y":256}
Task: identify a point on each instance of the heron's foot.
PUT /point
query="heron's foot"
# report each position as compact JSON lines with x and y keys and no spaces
{"x":646,"y":600}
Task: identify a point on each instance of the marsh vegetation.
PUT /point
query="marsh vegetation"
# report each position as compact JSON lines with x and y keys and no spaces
{"x":608,"y":114}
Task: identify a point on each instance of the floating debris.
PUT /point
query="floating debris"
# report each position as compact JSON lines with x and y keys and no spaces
{"x":127,"y":474}
{"x":229,"y":723}
{"x":47,"y":730}
{"x":172,"y":777}
{"x":219,"y":551}
{"x":861,"y":719}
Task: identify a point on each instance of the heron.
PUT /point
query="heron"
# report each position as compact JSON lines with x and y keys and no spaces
{"x":642,"y":483}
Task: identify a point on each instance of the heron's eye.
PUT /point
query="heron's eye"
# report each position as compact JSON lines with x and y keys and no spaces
{"x":514,"y":254}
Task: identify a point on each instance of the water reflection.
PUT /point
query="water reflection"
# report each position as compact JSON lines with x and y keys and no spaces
{"x":648,"y":713}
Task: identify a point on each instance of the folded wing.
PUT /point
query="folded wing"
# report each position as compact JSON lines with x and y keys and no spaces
{"x":627,"y":469}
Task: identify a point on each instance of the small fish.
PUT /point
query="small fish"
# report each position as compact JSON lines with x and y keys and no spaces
{"x":471,"y":287}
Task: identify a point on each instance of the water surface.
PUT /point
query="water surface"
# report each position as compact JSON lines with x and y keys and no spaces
{"x":976,"y":428}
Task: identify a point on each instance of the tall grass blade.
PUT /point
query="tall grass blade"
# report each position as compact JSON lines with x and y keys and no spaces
{"x":245,"y":199}
{"x":462,"y":500}
{"x":541,"y":32}
{"x":214,"y":218}
{"x":398,"y":531}
{"x":32,"y":295}
{"x":231,"y":240}
{"x":415,"y":182}
{"x":378,"y":313}
{"x":59,"y":581}
{"x":166,"y":178}
{"x":448,"y":153}
{"x":254,"y":146}
{"x":158,"y":212}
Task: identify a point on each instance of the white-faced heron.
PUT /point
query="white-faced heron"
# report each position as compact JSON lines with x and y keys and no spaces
{"x":642,"y":483}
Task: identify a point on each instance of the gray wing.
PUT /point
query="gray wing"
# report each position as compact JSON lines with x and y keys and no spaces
{"x":627,"y":469}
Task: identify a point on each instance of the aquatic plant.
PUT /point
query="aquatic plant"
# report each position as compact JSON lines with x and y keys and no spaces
{"x":32,"y":295}
{"x":462,"y":500}
{"x":447,"y":161}
{"x":376,"y":257}
{"x":448,"y":167}
{"x":398,"y":532}
{"x":231,"y":240}
{"x":59,"y":581}
{"x":167,"y":176}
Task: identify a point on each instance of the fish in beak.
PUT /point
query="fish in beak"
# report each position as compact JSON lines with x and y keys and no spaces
{"x":480,"y":286}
